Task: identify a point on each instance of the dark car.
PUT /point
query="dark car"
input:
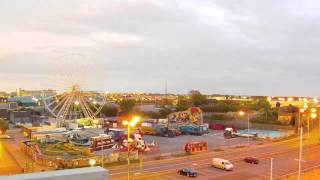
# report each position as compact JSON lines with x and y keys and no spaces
{"x":251,"y":160}
{"x":188,"y":172}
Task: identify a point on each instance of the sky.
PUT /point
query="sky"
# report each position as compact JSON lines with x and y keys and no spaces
{"x":244,"y":47}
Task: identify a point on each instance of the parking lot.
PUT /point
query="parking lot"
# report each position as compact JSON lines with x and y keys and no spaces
{"x":215,"y":140}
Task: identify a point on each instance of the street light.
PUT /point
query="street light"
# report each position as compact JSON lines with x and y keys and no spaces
{"x":92,"y":162}
{"x":299,"y":119}
{"x":95,"y":122}
{"x":242,"y":113}
{"x":300,"y":153}
{"x":131,"y":123}
{"x":313,"y":116}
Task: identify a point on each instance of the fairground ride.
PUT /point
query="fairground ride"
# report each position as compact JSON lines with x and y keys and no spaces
{"x":75,"y":104}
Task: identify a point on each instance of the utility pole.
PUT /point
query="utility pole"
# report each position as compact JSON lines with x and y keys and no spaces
{"x":300,"y":153}
{"x":248,"y":129}
{"x":271,"y":168}
{"x":308,"y":126}
{"x":166,"y":92}
{"x":128,"y":151}
{"x":102,"y":160}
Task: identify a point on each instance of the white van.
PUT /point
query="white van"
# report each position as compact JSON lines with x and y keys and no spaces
{"x":222,"y":164}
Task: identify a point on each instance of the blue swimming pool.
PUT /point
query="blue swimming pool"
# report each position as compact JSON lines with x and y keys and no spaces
{"x":267,"y":133}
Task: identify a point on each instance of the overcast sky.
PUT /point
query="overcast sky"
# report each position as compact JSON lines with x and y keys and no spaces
{"x":242,"y":47}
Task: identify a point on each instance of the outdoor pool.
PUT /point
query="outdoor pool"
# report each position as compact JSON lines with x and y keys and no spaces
{"x":267,"y":133}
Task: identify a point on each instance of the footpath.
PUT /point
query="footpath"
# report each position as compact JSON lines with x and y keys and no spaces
{"x":309,"y":175}
{"x":12,"y":146}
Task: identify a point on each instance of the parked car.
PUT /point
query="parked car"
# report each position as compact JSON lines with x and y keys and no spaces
{"x":188,"y":172}
{"x":222,"y":164}
{"x":251,"y":160}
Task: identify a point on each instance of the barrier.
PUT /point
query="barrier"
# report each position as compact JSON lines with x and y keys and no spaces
{"x":65,"y":163}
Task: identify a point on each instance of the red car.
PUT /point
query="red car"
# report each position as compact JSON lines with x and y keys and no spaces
{"x":251,"y":160}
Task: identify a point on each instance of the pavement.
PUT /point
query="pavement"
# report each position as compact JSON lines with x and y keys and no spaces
{"x":8,"y":164}
{"x":309,"y":175}
{"x":215,"y":139}
{"x":12,"y":159}
{"x":284,"y":156}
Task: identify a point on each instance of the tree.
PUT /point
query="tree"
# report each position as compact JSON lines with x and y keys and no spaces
{"x":127,"y":105}
{"x":164,"y":112}
{"x":197,"y":98}
{"x":182,"y":104}
{"x":261,"y":104}
{"x":4,"y":125}
{"x":110,"y":111}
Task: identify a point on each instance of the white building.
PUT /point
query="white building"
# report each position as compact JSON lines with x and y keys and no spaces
{"x":89,"y":173}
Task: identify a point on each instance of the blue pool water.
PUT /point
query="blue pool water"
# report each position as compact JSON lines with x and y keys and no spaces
{"x":266,"y":133}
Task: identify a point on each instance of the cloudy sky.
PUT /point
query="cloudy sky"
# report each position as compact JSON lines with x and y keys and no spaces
{"x":265,"y":47}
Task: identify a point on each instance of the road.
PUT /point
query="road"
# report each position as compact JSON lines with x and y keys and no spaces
{"x":12,"y":160}
{"x":8,"y":165}
{"x":285,"y":155}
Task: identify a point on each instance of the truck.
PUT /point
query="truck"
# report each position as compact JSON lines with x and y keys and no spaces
{"x":230,"y":132}
{"x":159,"y":130}
{"x":193,"y":129}
{"x":148,"y":130}
{"x":162,"y":130}
{"x":117,"y":134}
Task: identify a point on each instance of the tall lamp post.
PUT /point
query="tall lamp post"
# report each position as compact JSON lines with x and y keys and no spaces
{"x":299,"y":119}
{"x":313,"y":116}
{"x":242,"y":113}
{"x":300,"y":153}
{"x":129,"y":124}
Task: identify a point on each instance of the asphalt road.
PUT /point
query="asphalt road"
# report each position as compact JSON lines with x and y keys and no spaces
{"x":8,"y":165}
{"x":285,"y":155}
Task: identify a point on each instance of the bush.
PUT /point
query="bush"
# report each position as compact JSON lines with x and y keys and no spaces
{"x":216,"y":117}
{"x":262,"y":119}
{"x":127,"y":105}
{"x":219,"y":117}
{"x":4,"y":125}
{"x":109,"y":111}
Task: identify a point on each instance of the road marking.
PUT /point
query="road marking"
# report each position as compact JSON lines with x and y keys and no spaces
{"x":301,"y":160}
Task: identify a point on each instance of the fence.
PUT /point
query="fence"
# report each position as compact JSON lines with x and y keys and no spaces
{"x":65,"y":163}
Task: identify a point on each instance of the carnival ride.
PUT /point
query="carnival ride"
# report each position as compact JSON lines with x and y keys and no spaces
{"x":192,"y":115}
{"x":73,"y":105}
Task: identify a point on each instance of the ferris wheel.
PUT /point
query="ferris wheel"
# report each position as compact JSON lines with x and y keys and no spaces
{"x":74,"y":105}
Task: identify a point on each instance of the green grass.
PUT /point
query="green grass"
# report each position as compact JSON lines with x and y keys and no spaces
{"x":285,"y":138}
{"x":217,"y":150}
{"x":159,"y":158}
{"x":181,"y":154}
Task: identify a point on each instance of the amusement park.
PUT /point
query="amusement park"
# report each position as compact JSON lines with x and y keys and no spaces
{"x":76,"y":135}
